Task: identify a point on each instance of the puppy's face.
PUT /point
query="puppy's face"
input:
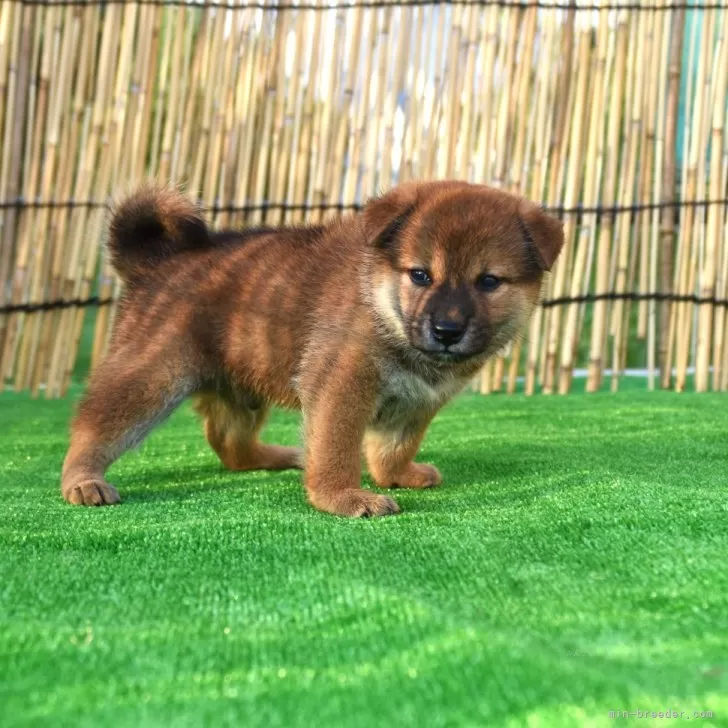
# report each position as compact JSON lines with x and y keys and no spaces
{"x":457,"y":267}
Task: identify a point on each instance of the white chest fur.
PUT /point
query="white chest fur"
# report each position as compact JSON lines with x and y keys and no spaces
{"x":404,"y":393}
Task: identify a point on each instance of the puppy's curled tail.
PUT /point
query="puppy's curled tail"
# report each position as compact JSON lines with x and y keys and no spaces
{"x":151,"y":225}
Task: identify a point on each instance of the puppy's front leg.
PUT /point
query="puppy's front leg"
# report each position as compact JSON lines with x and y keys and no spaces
{"x":335,"y":418}
{"x":390,"y":453}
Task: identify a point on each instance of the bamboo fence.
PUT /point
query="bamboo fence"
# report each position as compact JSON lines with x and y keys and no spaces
{"x":295,"y":112}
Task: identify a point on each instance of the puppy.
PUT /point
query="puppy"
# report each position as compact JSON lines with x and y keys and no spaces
{"x":368,"y":325}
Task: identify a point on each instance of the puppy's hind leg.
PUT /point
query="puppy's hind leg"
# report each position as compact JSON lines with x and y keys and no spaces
{"x":232,"y":430}
{"x":124,"y":402}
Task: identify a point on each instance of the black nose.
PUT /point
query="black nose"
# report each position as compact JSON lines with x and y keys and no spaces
{"x":448,"y":332}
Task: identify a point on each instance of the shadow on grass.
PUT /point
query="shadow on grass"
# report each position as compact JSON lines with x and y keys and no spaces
{"x":470,"y":485}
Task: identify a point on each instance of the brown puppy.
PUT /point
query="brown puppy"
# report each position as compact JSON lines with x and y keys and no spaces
{"x":368,"y":324}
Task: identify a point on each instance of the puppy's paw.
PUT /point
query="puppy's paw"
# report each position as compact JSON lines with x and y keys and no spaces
{"x":417,"y":475}
{"x":93,"y":492}
{"x":355,"y":503}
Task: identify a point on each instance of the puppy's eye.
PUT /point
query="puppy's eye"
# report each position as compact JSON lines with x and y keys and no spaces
{"x":487,"y":283}
{"x":420,"y":277}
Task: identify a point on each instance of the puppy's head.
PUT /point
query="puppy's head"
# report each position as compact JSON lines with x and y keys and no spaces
{"x":457,"y":267}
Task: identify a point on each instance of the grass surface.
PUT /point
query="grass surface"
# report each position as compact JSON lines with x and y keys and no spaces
{"x":573,"y":563}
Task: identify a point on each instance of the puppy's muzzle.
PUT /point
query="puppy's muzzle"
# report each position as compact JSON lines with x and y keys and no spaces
{"x":448,"y":333}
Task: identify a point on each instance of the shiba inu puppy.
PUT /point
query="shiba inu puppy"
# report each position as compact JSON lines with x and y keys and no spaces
{"x":368,"y":325}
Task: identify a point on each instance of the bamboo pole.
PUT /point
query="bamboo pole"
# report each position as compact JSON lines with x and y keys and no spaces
{"x":46,"y":228}
{"x":31,"y":235}
{"x":599,"y":324}
{"x":355,"y":147}
{"x":646,"y":168}
{"x":601,"y":60}
{"x":504,"y":122}
{"x":567,"y":131}
{"x":543,"y":120}
{"x":9,"y":42}
{"x":653,"y":336}
{"x":16,"y":111}
{"x":516,"y":183}
{"x":719,"y":333}
{"x":629,"y":179}
{"x":327,"y":109}
{"x":669,"y":191}
{"x":77,"y":125}
{"x":689,"y":241}
{"x":715,"y":213}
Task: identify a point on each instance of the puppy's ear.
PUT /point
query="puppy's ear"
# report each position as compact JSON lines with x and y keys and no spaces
{"x":385,"y":217}
{"x":544,"y":233}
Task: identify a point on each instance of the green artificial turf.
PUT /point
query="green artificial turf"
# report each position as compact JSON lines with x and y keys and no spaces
{"x":573,"y":563}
